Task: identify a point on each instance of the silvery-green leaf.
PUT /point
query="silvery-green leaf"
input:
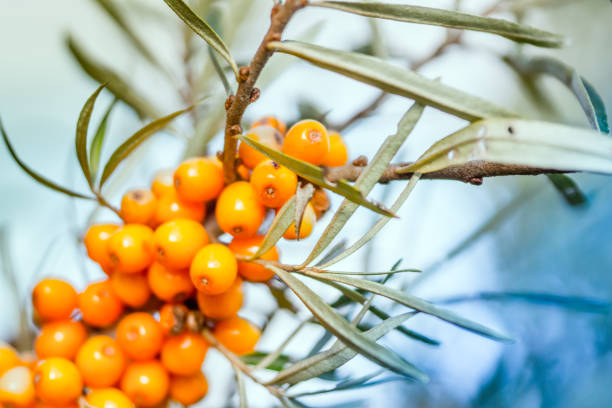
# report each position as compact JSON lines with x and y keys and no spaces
{"x":95,"y":148}
{"x":282,"y":221}
{"x":303,"y":194}
{"x":80,"y":139}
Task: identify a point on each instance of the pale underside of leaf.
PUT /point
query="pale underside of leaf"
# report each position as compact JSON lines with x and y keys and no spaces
{"x":303,"y":194}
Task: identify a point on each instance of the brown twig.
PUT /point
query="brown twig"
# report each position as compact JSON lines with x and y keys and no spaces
{"x":280,"y":16}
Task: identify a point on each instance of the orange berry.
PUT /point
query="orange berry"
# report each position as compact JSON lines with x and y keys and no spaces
{"x":96,"y":243}
{"x":131,"y":248}
{"x":53,"y":299}
{"x":131,"y":288}
{"x":243,"y":171}
{"x":184,"y":354}
{"x":307,"y":140}
{"x":266,"y":135}
{"x":249,"y":270}
{"x":57,"y":381}
{"x":172,"y":318}
{"x":100,"y":361}
{"x":308,"y":220}
{"x":139,"y":336}
{"x":146,"y":383}
{"x":138,"y":206}
{"x":17,"y":387}
{"x":199,"y":179}
{"x":274,"y":184}
{"x":224,"y":305}
{"x":8,"y":358}
{"x":99,"y":305}
{"x":171,"y":207}
{"x":170,"y":285}
{"x":238,"y":211}
{"x":237,"y":335}
{"x":177,"y":241}
{"x":188,"y":389}
{"x":338,"y":154}
{"x":61,"y":338}
{"x":271,"y":121}
{"x":163,"y":182}
{"x":108,"y":398}
{"x":213,"y":269}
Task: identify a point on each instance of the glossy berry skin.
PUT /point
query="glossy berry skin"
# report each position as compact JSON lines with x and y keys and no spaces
{"x":199,"y":179}
{"x":338,"y":153}
{"x":108,"y":398}
{"x":213,"y":269}
{"x":238,"y":210}
{"x":99,"y":305}
{"x":224,"y":305}
{"x":139,"y":336}
{"x":131,"y":288}
{"x":170,"y":285}
{"x":146,"y":383}
{"x":17,"y":387}
{"x":96,"y":243}
{"x":57,"y":381}
{"x":61,"y":338}
{"x":308,"y":141}
{"x":184,"y":354}
{"x":131,"y":248}
{"x":188,"y":389}
{"x":172,"y":318}
{"x":176,"y":242}
{"x":249,"y":270}
{"x":54,"y":299}
{"x":138,"y":206}
{"x":100,"y":361}
{"x":237,"y":335}
{"x":8,"y":358}
{"x":274,"y":184}
{"x":308,"y":220}
{"x":170,"y":207}
{"x":271,"y":121}
{"x":163,"y":183}
{"x":266,"y":135}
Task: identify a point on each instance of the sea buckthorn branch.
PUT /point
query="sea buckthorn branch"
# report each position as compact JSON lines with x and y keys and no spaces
{"x":247,"y":93}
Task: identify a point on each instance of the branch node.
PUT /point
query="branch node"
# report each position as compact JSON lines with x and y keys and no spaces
{"x":274,"y":37}
{"x":476,"y":181}
{"x":244,"y":73}
{"x":235,"y":130}
{"x":228,"y":102}
{"x":254,"y":95}
{"x":360,"y":161}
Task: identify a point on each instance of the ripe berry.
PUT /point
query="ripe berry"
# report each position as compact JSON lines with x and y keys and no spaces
{"x":170,"y":285}
{"x":243,"y":171}
{"x":338,"y":154}
{"x":138,"y":206}
{"x":184,"y":354}
{"x":8,"y":358}
{"x":163,"y":182}
{"x":249,"y":270}
{"x":274,"y":184}
{"x":99,"y":305}
{"x":100,"y":361}
{"x":237,"y":335}
{"x":224,"y":305}
{"x":61,"y":338}
{"x":96,"y":242}
{"x":131,"y":288}
{"x":131,"y":248}
{"x":266,"y":135}
{"x":172,"y":318}
{"x":308,"y":220}
{"x":139,"y":336}
{"x":17,"y":387}
{"x":53,"y":299}
{"x":146,"y":383}
{"x":307,"y":140}
{"x":199,"y":179}
{"x":171,"y":207}
{"x":213,"y":269}
{"x":271,"y":121}
{"x":188,"y":389}
{"x":177,"y":241}
{"x":108,"y":398}
{"x":238,"y":211}
{"x":57,"y":381}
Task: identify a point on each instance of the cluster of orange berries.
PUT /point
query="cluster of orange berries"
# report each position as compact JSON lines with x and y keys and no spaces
{"x":133,"y":339}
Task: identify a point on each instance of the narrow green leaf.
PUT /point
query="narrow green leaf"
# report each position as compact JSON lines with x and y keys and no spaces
{"x":394,"y":79}
{"x":134,"y":141}
{"x":36,"y":176}
{"x":334,"y":251}
{"x":219,"y":71}
{"x":315,"y":175}
{"x":412,"y":302}
{"x":352,"y":384}
{"x":279,"y":294}
{"x":303,"y":194}
{"x":392,"y":272}
{"x":346,"y":332}
{"x":201,"y":28}
{"x":95,"y":148}
{"x":256,"y":357}
{"x":446,"y":18}
{"x":282,"y":221}
{"x":568,"y":189}
{"x":520,"y":142}
{"x":80,"y":140}
{"x":368,"y":179}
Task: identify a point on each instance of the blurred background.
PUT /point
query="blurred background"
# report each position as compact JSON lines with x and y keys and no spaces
{"x":509,"y":235}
